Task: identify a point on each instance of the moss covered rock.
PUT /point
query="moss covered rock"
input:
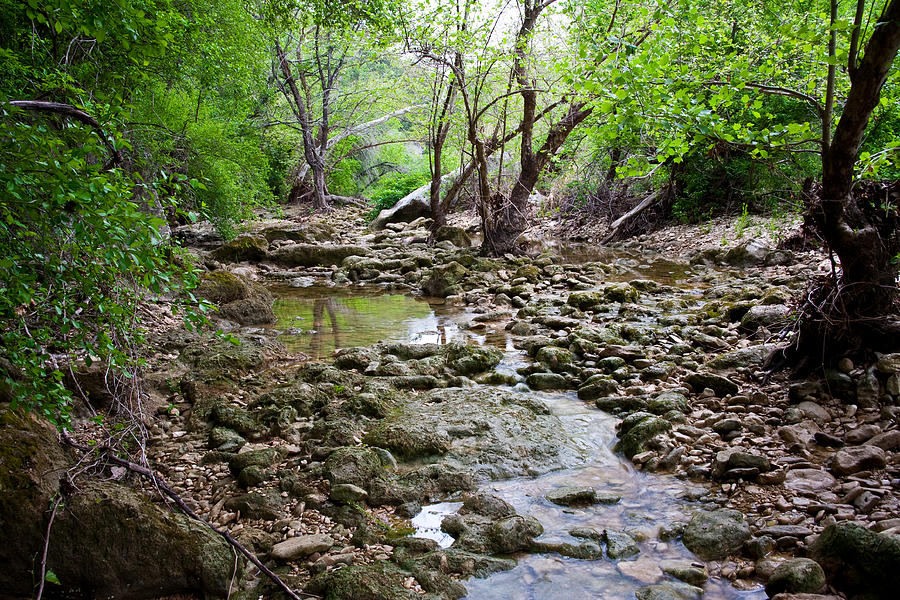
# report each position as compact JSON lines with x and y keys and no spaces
{"x":247,"y":247}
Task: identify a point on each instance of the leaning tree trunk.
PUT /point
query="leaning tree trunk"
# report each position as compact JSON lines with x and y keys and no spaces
{"x":865,"y":240}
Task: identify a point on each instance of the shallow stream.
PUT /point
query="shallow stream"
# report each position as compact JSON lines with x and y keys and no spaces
{"x":317,"y":320}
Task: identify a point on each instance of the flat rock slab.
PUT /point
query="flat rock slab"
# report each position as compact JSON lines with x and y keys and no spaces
{"x":645,"y":570}
{"x":808,"y":480}
{"x":572,"y":496}
{"x":301,"y":546}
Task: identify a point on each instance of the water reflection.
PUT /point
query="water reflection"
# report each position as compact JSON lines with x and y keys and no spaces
{"x":317,"y":326}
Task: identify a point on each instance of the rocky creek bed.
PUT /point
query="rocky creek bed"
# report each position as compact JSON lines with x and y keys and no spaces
{"x":601,"y":428}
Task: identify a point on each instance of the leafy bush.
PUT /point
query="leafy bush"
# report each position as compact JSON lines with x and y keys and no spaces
{"x":79,"y":252}
{"x":393,"y":187}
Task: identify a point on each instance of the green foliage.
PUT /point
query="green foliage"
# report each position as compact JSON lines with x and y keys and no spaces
{"x":193,"y":138}
{"x":79,"y":250}
{"x":393,"y":187}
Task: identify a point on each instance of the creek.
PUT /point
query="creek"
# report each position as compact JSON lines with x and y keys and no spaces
{"x":317,"y":320}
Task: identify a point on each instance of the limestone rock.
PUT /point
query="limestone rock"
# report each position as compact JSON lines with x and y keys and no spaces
{"x":722,"y":386}
{"x":858,"y":560}
{"x":572,"y":496}
{"x":853,"y":459}
{"x":301,"y":546}
{"x":796,"y":575}
{"x":313,"y":255}
{"x":713,"y":535}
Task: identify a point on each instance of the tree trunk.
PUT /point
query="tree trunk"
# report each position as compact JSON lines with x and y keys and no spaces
{"x":866,"y":244}
{"x":313,"y":158}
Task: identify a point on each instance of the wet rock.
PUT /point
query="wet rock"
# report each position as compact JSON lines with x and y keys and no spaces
{"x":596,"y":387}
{"x":301,"y":546}
{"x":246,"y":247}
{"x":742,"y":358}
{"x":487,"y":505}
{"x":858,"y":458}
{"x":494,"y":432}
{"x":455,"y":235}
{"x":796,"y":575}
{"x":765,"y":316}
{"x":486,"y":535}
{"x":312,"y":255}
{"x":554,"y":358}
{"x":347,"y":493}
{"x":583,"y":551}
{"x":572,"y":496}
{"x":722,"y":386}
{"x":443,"y":279}
{"x":635,"y":434}
{"x":713,"y":535}
{"x":355,"y":465}
{"x":685,"y":570}
{"x":547,"y":381}
{"x":644,"y":569}
{"x":759,"y":547}
{"x":857,"y":560}
{"x":619,"y":544}
{"x":382,"y":580}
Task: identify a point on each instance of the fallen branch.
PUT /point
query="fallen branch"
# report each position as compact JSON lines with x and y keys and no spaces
{"x":40,"y":591}
{"x":643,"y":205}
{"x":164,"y":487}
{"x":67,"y":110}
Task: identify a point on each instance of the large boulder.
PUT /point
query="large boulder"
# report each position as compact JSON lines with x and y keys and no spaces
{"x":107,"y":538}
{"x":247,"y":247}
{"x":713,"y":535}
{"x":409,"y":208}
{"x":859,"y":561}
